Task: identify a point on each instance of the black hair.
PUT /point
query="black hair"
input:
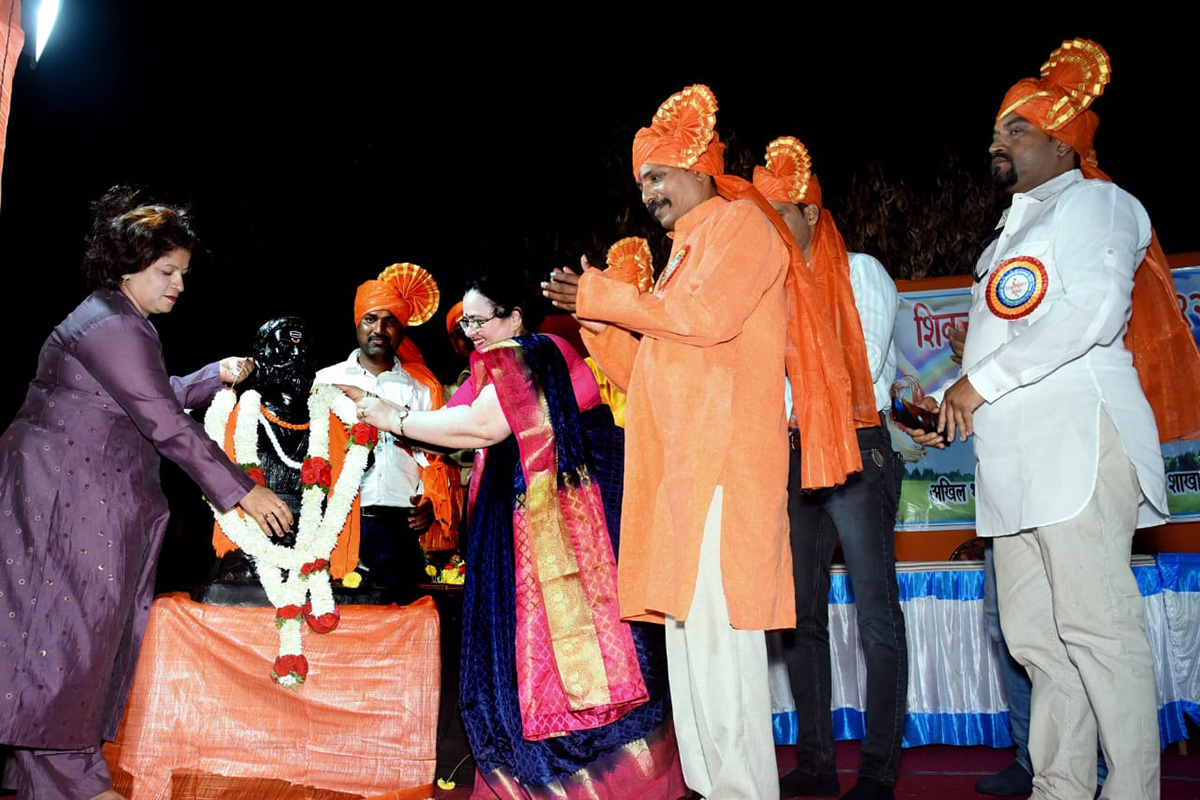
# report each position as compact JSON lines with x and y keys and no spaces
{"x":509,"y":292}
{"x":127,"y":236}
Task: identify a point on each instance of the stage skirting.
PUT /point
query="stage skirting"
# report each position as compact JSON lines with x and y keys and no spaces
{"x":954,"y":690}
{"x":205,"y":719}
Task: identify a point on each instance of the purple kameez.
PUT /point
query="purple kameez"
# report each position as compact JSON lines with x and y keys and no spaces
{"x":82,"y":518}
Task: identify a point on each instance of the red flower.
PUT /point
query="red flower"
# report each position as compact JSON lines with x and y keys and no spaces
{"x":286,"y":665}
{"x":256,"y":475}
{"x":316,"y":472}
{"x":314,"y":566}
{"x":364,"y":434}
{"x":288,"y":612}
{"x":324,"y":623}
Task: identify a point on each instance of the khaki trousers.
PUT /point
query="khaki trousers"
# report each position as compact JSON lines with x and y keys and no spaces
{"x":1073,"y":617}
{"x":719,"y":693}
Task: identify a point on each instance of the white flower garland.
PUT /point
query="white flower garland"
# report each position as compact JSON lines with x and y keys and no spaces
{"x":269,"y":428}
{"x":306,"y":591}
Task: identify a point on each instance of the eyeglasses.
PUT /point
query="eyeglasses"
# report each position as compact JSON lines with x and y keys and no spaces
{"x":467,"y":323}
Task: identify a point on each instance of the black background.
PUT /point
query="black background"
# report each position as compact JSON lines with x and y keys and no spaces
{"x":318,"y":146}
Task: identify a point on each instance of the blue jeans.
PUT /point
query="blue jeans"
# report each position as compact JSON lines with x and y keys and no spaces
{"x":862,"y":513}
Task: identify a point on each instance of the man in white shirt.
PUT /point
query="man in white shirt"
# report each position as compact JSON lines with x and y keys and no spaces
{"x":1068,"y":458}
{"x":861,"y":512}
{"x":394,"y":511}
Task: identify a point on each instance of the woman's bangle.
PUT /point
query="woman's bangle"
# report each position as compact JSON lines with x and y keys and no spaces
{"x":404,"y":412}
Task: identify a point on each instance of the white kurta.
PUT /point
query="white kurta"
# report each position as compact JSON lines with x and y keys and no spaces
{"x":395,"y":477}
{"x":1045,"y":374}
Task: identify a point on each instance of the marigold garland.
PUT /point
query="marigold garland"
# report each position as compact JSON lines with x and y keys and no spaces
{"x":296,"y":579}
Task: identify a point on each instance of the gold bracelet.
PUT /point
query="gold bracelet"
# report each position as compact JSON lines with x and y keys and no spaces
{"x":403,"y":416}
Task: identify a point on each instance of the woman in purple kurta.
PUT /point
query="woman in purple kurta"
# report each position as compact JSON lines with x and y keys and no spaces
{"x":82,"y":514}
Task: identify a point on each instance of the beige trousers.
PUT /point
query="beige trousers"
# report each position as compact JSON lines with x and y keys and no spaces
{"x":1072,"y":615}
{"x":719,"y":693}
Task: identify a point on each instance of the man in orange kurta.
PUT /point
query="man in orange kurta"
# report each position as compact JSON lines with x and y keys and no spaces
{"x":704,"y":544}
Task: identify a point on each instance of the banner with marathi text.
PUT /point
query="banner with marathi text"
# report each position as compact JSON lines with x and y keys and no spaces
{"x":939,"y":485}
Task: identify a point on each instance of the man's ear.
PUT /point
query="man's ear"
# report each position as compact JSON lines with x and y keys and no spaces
{"x":812,"y":213}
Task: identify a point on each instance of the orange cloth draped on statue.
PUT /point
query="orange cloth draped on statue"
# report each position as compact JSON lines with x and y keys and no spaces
{"x":204,"y":718}
{"x":697,"y":416}
{"x":439,"y":480}
{"x":344,"y":557}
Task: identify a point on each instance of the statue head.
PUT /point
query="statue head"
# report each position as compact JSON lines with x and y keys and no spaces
{"x":283,"y":360}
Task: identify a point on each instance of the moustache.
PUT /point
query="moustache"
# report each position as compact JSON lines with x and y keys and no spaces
{"x":654,"y":205}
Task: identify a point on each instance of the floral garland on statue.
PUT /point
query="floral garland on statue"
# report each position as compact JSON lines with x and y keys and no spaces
{"x":296,"y":579}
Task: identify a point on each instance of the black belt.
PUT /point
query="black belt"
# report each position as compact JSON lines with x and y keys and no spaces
{"x":385,"y":512}
{"x":794,"y":433}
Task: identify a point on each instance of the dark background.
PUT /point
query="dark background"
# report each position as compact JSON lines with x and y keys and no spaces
{"x":316,"y":147}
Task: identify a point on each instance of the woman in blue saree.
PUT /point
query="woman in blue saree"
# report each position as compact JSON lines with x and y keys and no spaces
{"x":559,"y":697}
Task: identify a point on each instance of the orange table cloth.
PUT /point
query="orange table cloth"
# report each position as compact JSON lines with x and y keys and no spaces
{"x":205,"y":719}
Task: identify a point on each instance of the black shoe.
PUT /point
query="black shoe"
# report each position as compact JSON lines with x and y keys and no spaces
{"x":806,"y":784}
{"x":869,"y":789}
{"x":1012,"y":781}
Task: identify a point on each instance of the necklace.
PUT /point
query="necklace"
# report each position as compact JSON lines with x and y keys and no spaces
{"x":266,"y":426}
{"x":291,"y":426}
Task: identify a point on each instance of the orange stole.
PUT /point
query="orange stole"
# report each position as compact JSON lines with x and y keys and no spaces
{"x":831,"y":270}
{"x":1160,"y":339}
{"x":344,"y":557}
{"x":440,"y":479}
{"x":821,"y":384}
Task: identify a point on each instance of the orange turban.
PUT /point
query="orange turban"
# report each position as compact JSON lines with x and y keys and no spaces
{"x":682,"y":135}
{"x":379,"y":296}
{"x":453,"y":316}
{"x":788,"y":178}
{"x":1159,"y":338}
{"x":404,"y":289}
{"x":1057,"y":102}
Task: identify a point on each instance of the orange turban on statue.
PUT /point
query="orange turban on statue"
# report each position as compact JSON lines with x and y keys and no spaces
{"x":1159,"y":338}
{"x":788,"y":178}
{"x":682,"y":134}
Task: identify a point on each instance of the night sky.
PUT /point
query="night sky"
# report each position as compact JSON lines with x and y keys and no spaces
{"x":315,"y":150}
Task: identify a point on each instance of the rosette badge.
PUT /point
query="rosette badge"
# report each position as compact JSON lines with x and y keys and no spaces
{"x":629,"y":260}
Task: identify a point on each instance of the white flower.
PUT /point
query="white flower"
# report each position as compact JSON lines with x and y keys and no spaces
{"x":317,"y":530}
